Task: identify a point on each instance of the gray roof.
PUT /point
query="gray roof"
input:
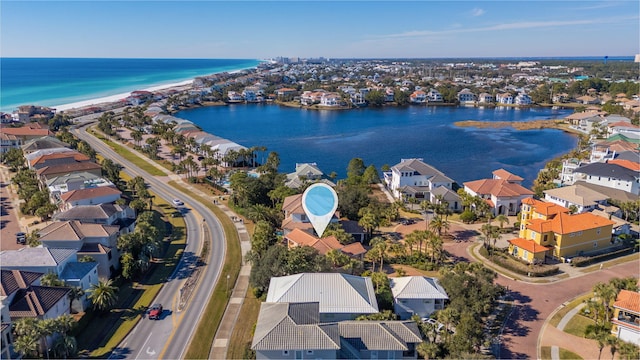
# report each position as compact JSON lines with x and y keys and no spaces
{"x":417,"y":287}
{"x":608,"y":170}
{"x":78,"y":176}
{"x":629,"y":155}
{"x":89,"y":212}
{"x":285,"y":326}
{"x":356,"y":293}
{"x":447,"y":193}
{"x":420,"y":168}
{"x":32,"y":257}
{"x":13,"y":280}
{"x":45,"y":142}
{"x":380,"y":335}
{"x":77,"y":270}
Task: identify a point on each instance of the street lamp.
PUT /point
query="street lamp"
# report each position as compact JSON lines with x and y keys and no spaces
{"x":228,"y":276}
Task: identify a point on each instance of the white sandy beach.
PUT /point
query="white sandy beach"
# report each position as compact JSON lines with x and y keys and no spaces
{"x":117,"y":97}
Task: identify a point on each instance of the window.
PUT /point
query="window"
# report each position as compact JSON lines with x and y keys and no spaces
{"x":595,"y":244}
{"x":285,"y":352}
{"x":598,"y":231}
{"x":309,"y":352}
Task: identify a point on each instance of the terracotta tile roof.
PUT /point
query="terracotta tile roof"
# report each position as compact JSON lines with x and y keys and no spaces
{"x":548,"y":208}
{"x":25,"y":131}
{"x":505,"y":175}
{"x":71,"y":154}
{"x":497,"y":188}
{"x":628,"y":300}
{"x":626,"y":164}
{"x":564,"y":223}
{"x":323,"y":245}
{"x":68,"y":168}
{"x":13,"y":280}
{"x":529,"y":245}
{"x":88,"y":193}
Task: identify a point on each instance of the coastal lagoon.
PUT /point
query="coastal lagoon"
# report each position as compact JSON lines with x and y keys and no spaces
{"x":331,"y":138}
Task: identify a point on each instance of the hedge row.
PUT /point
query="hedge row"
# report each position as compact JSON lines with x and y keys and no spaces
{"x":581,"y":261}
{"x":518,"y":267}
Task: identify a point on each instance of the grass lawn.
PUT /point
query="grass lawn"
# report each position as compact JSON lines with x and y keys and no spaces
{"x":545,"y":354}
{"x":242,"y":334}
{"x":205,"y":331}
{"x":127,"y":154}
{"x":577,"y":325}
{"x":555,"y":320}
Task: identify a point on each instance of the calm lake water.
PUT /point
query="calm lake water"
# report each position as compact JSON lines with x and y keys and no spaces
{"x":384,"y":136}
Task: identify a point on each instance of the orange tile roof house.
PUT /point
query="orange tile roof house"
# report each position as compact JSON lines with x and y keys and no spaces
{"x":503,"y":192}
{"x":298,"y":237}
{"x":626,"y":317}
{"x":550,"y":230}
{"x":26,"y":132}
{"x":57,"y":159}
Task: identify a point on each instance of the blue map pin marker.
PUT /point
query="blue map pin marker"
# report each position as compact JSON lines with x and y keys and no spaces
{"x":319,"y":202}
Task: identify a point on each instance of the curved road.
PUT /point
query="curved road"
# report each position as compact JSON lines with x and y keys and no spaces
{"x":169,"y":337}
{"x":536,"y":301}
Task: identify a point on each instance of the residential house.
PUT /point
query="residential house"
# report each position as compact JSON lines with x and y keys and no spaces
{"x":26,"y":133}
{"x":417,"y":295}
{"x":74,"y":181}
{"x":28,"y":113}
{"x":578,"y":196}
{"x":305,"y":172}
{"x":414,"y":178}
{"x":504,"y":98}
{"x":310,"y":338}
{"x":49,"y":172}
{"x":523,"y":99}
{"x":341,"y":296}
{"x":105,"y":214}
{"x":568,"y":168}
{"x":434,"y":96}
{"x":38,"y":259}
{"x":418,"y":97}
{"x":66,"y":157}
{"x":620,"y":226}
{"x":465,"y":96}
{"x":485,"y":98}
{"x":76,"y":235}
{"x":330,"y":99}
{"x":626,"y":317}
{"x":11,"y":282}
{"x":89,"y":196}
{"x":587,"y":100}
{"x":295,"y":216}
{"x":448,"y":196}
{"x":234,"y":96}
{"x":298,"y":237}
{"x":548,"y":229}
{"x":389,"y":95}
{"x":44,"y":143}
{"x":8,"y":142}
{"x":611,"y":176}
{"x":286,"y":93}
{"x":249,"y":95}
{"x":503,"y":192}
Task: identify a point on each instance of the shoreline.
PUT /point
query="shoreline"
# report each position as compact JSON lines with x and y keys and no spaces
{"x":557,"y":124}
{"x":110,"y":99}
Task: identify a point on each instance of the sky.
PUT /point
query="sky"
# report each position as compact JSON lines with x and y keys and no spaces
{"x":330,"y":29}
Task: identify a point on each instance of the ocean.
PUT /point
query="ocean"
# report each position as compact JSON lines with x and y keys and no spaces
{"x":57,"y":81}
{"x":380,"y":137}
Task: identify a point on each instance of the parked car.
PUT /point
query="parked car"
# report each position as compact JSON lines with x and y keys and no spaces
{"x":21,"y":238}
{"x":155,"y":311}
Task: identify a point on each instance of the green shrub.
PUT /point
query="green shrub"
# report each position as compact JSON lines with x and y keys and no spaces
{"x":580,"y":261}
{"x":468,"y":216}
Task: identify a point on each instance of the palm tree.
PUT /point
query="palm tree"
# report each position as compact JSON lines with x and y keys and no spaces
{"x":27,"y":345}
{"x":606,"y":292}
{"x":598,"y":333}
{"x":628,"y":351}
{"x":613,"y":343}
{"x":75,"y":294}
{"x":428,"y":350}
{"x":103,"y":295}
{"x":502,"y":219}
{"x":51,"y":279}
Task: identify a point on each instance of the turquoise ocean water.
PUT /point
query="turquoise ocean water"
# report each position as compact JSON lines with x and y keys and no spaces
{"x":57,"y":81}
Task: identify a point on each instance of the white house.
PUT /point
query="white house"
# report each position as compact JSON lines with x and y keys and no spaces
{"x":503,"y":192}
{"x":626,"y":320}
{"x":434,"y":96}
{"x":465,"y":96}
{"x":523,"y":99}
{"x":504,"y":98}
{"x":417,"y":295}
{"x":356,"y":294}
{"x":581,"y":197}
{"x":485,"y":98}
{"x":414,"y":178}
{"x":610,"y":175}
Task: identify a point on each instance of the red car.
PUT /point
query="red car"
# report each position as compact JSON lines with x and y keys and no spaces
{"x":155,"y":311}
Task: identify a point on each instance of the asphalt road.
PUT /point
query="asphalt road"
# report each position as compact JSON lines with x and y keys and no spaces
{"x":169,"y":337}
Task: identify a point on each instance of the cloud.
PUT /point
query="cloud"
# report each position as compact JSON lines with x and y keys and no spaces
{"x":510,"y":26}
{"x":477,"y":12}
